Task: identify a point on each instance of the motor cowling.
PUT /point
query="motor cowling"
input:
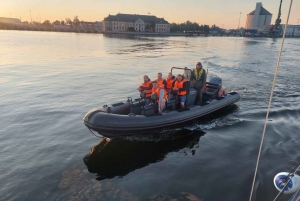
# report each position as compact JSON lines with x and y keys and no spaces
{"x":217,"y":81}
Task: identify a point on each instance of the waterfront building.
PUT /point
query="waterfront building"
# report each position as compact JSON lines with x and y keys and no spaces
{"x":291,"y":30}
{"x":259,"y":19}
{"x":138,"y":23}
{"x":8,"y":20}
{"x":62,"y":27}
{"x":91,"y":26}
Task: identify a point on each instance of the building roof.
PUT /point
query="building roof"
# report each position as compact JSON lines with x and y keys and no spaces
{"x":134,"y":17}
{"x":263,"y":11}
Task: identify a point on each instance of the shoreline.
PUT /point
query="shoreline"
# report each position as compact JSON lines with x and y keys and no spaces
{"x":134,"y":33}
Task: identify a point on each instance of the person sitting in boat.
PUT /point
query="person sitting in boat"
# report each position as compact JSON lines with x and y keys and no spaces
{"x":161,"y":82}
{"x":170,"y":80}
{"x":180,"y":85}
{"x":161,"y":96}
{"x":146,"y":88}
{"x":199,"y":81}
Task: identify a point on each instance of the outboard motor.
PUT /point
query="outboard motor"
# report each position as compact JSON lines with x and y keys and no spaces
{"x":216,"y":81}
{"x":212,"y":88}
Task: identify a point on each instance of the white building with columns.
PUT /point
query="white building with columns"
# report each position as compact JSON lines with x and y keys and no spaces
{"x":260,"y":18}
{"x":137,"y":23}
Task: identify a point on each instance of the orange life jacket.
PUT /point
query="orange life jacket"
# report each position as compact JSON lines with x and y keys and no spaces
{"x":156,"y":91}
{"x":148,"y":91}
{"x":180,"y":85}
{"x":160,"y":83}
{"x":170,"y":83}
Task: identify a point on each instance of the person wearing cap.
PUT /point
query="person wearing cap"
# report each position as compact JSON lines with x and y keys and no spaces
{"x":146,"y":87}
{"x":199,"y":81}
{"x":180,"y":85}
{"x":161,"y":96}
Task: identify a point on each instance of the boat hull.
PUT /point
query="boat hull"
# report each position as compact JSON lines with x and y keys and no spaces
{"x":115,"y":125}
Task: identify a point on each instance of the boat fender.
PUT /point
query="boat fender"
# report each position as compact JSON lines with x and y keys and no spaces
{"x":105,"y":106}
{"x":281,"y":179}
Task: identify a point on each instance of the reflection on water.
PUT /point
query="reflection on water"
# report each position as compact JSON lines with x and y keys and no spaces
{"x":251,"y":42}
{"x":145,"y":44}
{"x":112,"y":157}
{"x":129,"y":36}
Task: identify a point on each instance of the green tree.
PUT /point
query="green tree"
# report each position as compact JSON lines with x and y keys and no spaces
{"x":47,"y":23}
{"x":76,"y":21}
{"x":56,"y":22}
{"x":62,"y":22}
{"x":69,"y":22}
{"x":206,"y":28}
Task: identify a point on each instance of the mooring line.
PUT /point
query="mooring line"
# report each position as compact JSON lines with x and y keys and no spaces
{"x":270,"y":100}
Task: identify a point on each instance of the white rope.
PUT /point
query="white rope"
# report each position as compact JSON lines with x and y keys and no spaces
{"x":270,"y":100}
{"x":294,"y":196}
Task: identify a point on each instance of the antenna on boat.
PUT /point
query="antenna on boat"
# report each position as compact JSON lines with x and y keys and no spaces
{"x":270,"y":100}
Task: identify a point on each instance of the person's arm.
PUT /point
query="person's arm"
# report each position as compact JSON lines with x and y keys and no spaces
{"x":192,"y":75}
{"x":173,"y":84}
{"x":165,"y":84}
{"x":184,"y":87}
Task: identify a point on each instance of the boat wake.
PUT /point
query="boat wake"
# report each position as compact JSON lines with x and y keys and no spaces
{"x":216,"y":123}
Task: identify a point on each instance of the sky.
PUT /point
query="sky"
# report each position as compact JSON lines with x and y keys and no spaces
{"x":223,"y":13}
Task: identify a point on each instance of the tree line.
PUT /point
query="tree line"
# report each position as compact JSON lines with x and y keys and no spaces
{"x":189,"y":26}
{"x":73,"y":23}
{"x":174,"y":27}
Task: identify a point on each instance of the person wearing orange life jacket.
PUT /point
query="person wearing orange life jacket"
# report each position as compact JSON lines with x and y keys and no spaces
{"x":181,"y":86}
{"x":161,"y":82}
{"x":159,"y":92}
{"x":170,"y":80}
{"x":146,"y":87}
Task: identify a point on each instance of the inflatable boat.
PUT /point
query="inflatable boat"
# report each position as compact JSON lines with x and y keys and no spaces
{"x":133,"y":117}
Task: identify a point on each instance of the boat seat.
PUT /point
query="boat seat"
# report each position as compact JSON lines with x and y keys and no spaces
{"x":148,"y":110}
{"x":135,"y":107}
{"x":171,"y":104}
